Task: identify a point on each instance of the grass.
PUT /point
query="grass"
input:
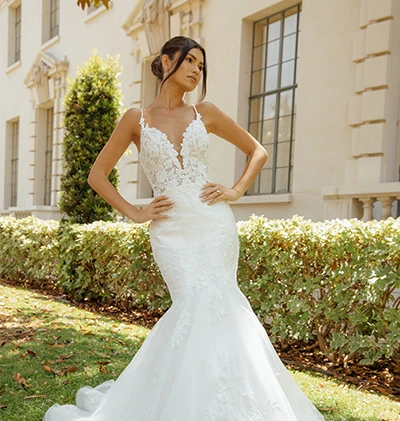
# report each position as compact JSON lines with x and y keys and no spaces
{"x":49,"y":349}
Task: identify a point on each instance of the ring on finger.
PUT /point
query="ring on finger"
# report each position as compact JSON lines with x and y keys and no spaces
{"x":219,"y":192}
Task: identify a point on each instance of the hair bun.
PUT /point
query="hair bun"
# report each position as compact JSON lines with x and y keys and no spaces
{"x":156,"y":67}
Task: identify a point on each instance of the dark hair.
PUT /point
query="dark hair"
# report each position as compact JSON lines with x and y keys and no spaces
{"x":182,"y":45}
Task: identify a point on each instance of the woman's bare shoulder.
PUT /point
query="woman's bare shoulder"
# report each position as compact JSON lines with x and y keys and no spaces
{"x":133,"y":115}
{"x":131,"y":119}
{"x":206,"y":107}
{"x":210,"y":114}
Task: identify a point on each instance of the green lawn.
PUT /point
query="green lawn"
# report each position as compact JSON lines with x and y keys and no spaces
{"x":49,"y":349}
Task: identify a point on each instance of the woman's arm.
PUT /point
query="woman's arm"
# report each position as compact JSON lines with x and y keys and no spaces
{"x":222,"y":125}
{"x":126,"y":131}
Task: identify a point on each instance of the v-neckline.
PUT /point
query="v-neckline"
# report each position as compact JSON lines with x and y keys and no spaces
{"x":178,"y":154}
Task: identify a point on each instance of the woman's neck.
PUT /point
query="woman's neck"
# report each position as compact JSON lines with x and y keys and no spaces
{"x":169,"y":97}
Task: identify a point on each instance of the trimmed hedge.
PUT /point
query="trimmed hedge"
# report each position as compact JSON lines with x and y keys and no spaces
{"x":331,"y":282}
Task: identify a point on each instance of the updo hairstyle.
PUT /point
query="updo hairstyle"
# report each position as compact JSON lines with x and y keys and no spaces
{"x":178,"y":45}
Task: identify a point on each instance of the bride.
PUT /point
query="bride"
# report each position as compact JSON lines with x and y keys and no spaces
{"x":208,"y":358}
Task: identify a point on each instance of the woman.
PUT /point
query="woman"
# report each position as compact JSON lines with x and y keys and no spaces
{"x":208,"y":358}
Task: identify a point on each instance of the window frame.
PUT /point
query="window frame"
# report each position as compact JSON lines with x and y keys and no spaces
{"x":17,"y":33}
{"x":263,"y":93}
{"x":48,"y":156}
{"x":14,"y":159}
{"x":54,"y":17}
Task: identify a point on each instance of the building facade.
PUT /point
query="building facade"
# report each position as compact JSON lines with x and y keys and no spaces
{"x":316,"y":82}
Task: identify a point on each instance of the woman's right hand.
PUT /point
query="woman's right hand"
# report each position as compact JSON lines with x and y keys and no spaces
{"x":154,"y":210}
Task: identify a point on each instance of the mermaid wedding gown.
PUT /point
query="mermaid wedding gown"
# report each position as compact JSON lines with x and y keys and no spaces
{"x":208,"y":358}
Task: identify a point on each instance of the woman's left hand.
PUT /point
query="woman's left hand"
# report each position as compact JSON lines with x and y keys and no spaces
{"x":213,"y":193}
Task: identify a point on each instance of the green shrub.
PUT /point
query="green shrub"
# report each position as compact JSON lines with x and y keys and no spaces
{"x":92,"y":108}
{"x":28,"y":248}
{"x":330,"y":280}
{"x":329,"y":283}
{"x":111,"y":262}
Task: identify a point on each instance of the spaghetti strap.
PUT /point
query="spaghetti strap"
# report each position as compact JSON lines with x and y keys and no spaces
{"x":198,"y":115}
{"x":141,"y":121}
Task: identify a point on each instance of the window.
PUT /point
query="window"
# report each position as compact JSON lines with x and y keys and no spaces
{"x":17,"y":31}
{"x":14,"y":38}
{"x":48,"y":157}
{"x":54,"y":17}
{"x":14,"y":162}
{"x":50,"y":19}
{"x":272,"y":107}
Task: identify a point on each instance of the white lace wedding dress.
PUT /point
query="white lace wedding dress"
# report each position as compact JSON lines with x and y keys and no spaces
{"x":208,"y":358}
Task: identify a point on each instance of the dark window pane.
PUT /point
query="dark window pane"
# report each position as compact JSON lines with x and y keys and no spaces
{"x":273,"y":53}
{"x":266,"y":181}
{"x":259,"y":57}
{"x":268,"y":131}
{"x":289,"y":47}
{"x":257,"y":82}
{"x":290,"y":23}
{"x":255,"y":129}
{"x":285,"y":124}
{"x":255,"y":110}
{"x":286,"y":103}
{"x":271,"y":82}
{"x":283,"y":154}
{"x":269,"y":106}
{"x":287,"y":73}
{"x":282,"y":177}
{"x":274,"y":28}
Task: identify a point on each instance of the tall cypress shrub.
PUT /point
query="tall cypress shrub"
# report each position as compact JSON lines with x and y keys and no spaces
{"x":92,"y":108}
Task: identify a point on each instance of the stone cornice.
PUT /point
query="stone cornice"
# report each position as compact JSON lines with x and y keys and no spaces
{"x":45,"y":64}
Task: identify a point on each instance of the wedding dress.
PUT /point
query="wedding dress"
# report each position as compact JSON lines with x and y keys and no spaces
{"x":208,"y":358}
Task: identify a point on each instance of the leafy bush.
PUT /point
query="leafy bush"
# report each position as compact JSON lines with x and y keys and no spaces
{"x":92,"y":108}
{"x":329,"y":283}
{"x":28,"y":248}
{"x":111,"y":262}
{"x":332,"y":280}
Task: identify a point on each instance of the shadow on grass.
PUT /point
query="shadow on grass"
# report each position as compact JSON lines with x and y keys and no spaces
{"x":56,"y":350}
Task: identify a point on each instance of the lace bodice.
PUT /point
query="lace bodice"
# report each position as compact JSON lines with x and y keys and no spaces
{"x":160,"y":159}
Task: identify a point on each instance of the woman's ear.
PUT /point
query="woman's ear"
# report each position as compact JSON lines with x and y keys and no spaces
{"x":166,"y":64}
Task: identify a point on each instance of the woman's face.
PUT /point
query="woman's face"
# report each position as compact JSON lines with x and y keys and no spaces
{"x":189,"y":72}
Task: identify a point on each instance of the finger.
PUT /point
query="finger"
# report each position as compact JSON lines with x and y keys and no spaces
{"x":160,"y":199}
{"x":211,"y":202}
{"x":211,"y":191}
{"x":162,"y":208}
{"x":207,"y":185}
{"x":214,"y":194}
{"x":162,"y":204}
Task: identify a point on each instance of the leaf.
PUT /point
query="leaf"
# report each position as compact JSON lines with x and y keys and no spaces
{"x":21,"y":380}
{"x":63,"y":358}
{"x":70,"y":369}
{"x":31,"y":353}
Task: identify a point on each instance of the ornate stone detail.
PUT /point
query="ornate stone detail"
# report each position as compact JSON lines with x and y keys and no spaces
{"x":39,"y":70}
